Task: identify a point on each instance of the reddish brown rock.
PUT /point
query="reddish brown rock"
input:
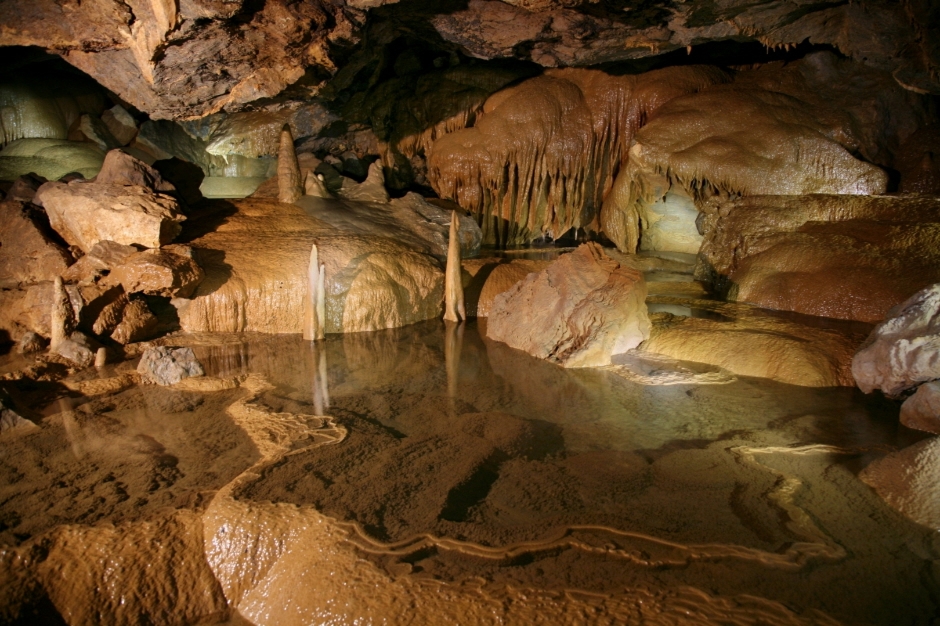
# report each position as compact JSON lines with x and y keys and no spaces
{"x":578,"y":312}
{"x":86,"y":213}
{"x":158,"y":273}
{"x":137,"y":323}
{"x":28,"y":251}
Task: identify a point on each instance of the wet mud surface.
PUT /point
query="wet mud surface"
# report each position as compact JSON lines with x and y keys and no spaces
{"x":460,"y":481}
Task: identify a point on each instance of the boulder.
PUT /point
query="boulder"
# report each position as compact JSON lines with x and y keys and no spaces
{"x":24,"y":188}
{"x":907,"y":480}
{"x":484,"y":279}
{"x":165,"y":365}
{"x":10,"y":419}
{"x":578,"y":312}
{"x":922,"y":410}
{"x":120,"y":168}
{"x":137,"y":323}
{"x":90,"y":128}
{"x":158,"y":273}
{"x":845,"y":257}
{"x":86,"y":213}
{"x":103,"y":257}
{"x":904,"y":350}
{"x":30,"y":342}
{"x":120,"y":123}
{"x":78,"y":349}
{"x":751,"y":342}
{"x":29,"y":252}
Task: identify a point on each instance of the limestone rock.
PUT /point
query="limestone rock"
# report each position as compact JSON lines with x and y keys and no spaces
{"x":904,"y":350}
{"x":137,"y":323}
{"x":260,"y":282}
{"x":103,"y":257}
{"x":90,"y":128}
{"x":30,"y":342}
{"x":578,"y":312}
{"x":50,"y":158}
{"x":28,"y":250}
{"x":158,"y":273}
{"x":846,"y":257}
{"x":24,"y":188}
{"x":166,"y":365}
{"x":907,"y":480}
{"x":111,"y":315}
{"x":120,"y":168}
{"x":487,"y":278}
{"x":922,"y":410}
{"x":748,"y":342}
{"x":86,"y":213}
{"x":78,"y":349}
{"x":120,"y":123}
{"x":10,"y":419}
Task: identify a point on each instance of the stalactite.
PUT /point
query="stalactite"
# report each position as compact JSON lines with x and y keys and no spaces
{"x":454,"y":309}
{"x":543,"y":154}
{"x":290,"y":186}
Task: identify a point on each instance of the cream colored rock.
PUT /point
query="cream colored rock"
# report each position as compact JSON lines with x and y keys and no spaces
{"x":372,"y":189}
{"x":49,"y":158}
{"x":578,"y":312}
{"x":904,"y":350}
{"x":748,"y":342}
{"x":158,"y":273}
{"x":86,"y":213}
{"x":669,"y":224}
{"x":260,"y":282}
{"x":922,"y":410}
{"x":28,"y":253}
{"x":909,"y":481}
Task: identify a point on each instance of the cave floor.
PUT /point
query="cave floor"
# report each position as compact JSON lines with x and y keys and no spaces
{"x":428,"y":475}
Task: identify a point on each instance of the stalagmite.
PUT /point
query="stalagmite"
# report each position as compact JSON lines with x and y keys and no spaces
{"x":101,"y":357}
{"x":289,"y":182}
{"x":315,"y":187}
{"x":61,"y":314}
{"x":321,"y":302}
{"x":454,"y":309}
{"x":312,"y":330}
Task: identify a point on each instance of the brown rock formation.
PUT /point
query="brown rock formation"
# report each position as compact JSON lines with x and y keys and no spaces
{"x":833,"y":256}
{"x":578,"y":312}
{"x":28,"y":252}
{"x":158,"y":273}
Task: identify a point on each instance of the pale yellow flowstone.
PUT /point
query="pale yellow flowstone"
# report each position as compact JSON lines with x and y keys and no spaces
{"x":283,"y":564}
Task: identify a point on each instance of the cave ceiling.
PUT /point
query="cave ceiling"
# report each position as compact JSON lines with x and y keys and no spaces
{"x":185,"y":59}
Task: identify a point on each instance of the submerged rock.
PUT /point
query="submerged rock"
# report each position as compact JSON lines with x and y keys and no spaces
{"x":909,"y":481}
{"x":86,"y":213}
{"x":922,"y":410}
{"x":166,"y":365}
{"x":579,"y":311}
{"x":904,"y":350}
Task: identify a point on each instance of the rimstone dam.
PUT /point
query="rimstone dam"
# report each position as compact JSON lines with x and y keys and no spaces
{"x":470,"y":312}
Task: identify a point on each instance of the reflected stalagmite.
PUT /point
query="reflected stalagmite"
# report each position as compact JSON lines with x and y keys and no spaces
{"x":290,"y":185}
{"x":454,"y":309}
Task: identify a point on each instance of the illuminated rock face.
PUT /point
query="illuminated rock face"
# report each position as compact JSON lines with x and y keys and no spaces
{"x":577,"y":312}
{"x":543,"y":154}
{"x":833,"y":256}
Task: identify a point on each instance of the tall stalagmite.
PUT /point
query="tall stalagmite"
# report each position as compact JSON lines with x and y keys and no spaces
{"x":454,"y":309}
{"x":313,"y":322}
{"x":290,"y":184}
{"x":60,"y":315}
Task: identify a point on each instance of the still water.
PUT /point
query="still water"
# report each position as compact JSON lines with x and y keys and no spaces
{"x":428,"y":475}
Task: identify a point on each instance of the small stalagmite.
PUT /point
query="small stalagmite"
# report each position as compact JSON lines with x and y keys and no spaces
{"x":315,"y":303}
{"x":454,"y":309}
{"x":290,"y":184}
{"x":61,"y":314}
{"x":315,"y":187}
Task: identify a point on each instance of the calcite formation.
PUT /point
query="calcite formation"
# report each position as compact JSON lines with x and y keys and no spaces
{"x":454,"y":308}
{"x":86,"y":213}
{"x":543,"y":154}
{"x":578,"y":312}
{"x":290,"y":185}
{"x":904,"y":350}
{"x":832,"y":256}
